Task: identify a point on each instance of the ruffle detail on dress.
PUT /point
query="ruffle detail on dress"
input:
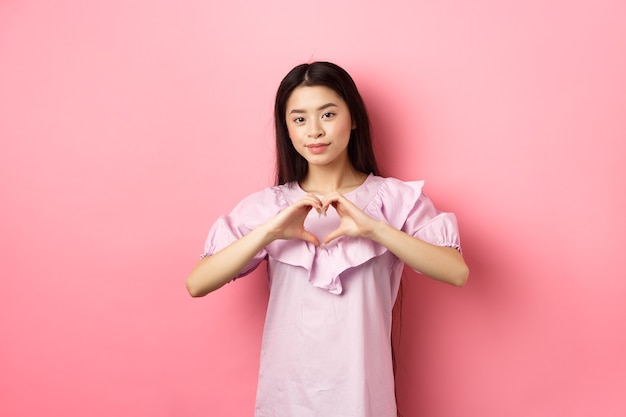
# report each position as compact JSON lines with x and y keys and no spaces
{"x":385,"y":199}
{"x":394,"y":201}
{"x":324,"y":264}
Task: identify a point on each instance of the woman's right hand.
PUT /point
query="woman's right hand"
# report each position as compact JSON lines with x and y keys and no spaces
{"x":214,"y":271}
{"x":289,"y":223}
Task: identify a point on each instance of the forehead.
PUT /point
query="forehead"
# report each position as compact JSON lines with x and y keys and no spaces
{"x":312,"y":97}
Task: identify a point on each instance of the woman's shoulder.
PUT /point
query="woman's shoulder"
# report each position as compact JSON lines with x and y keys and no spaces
{"x":394,"y":182}
{"x":269,"y":195}
{"x":392,"y":189}
{"x":391,"y":199}
{"x":261,"y":203}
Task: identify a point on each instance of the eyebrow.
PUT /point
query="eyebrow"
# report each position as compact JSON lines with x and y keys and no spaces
{"x":325,"y":106}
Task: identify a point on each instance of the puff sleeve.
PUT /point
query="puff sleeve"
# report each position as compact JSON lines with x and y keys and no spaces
{"x":427,"y":223}
{"x":250,"y":212}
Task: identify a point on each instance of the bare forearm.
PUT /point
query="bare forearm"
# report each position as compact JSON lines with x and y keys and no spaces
{"x":212,"y":272}
{"x":441,"y":263}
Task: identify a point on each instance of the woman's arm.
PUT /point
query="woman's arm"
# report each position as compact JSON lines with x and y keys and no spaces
{"x":438,"y":262}
{"x":213,"y":272}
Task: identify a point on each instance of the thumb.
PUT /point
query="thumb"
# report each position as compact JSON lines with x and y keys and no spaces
{"x":333,"y":235}
{"x":309,"y":237}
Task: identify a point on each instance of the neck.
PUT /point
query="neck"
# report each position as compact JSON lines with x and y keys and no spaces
{"x":324,"y":180}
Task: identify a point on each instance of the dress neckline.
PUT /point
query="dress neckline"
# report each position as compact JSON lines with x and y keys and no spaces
{"x":358,"y":188}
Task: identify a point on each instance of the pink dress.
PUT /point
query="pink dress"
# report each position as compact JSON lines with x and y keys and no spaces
{"x":326,"y":348}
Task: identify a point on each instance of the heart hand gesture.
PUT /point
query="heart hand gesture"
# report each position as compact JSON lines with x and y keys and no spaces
{"x":354,"y":222}
{"x":289,"y":223}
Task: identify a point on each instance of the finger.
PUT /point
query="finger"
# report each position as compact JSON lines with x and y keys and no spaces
{"x":311,"y":200}
{"x":334,"y":234}
{"x":339,"y":202}
{"x":309,"y":237}
{"x":314,"y":197}
{"x":329,"y":200}
{"x":331,"y":197}
{"x":306,"y":201}
{"x":298,"y":209}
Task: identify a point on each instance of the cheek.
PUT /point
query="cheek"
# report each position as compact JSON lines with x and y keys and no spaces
{"x":292,"y":137}
{"x":347,"y":129}
{"x":293,"y":133}
{"x":346,"y":125}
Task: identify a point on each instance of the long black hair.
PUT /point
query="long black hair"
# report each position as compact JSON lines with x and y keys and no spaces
{"x":290,"y":165}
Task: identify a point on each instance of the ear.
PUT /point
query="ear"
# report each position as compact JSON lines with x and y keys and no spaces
{"x":353,"y":125}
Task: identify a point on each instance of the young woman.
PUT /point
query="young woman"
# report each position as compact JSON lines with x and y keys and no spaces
{"x":335,"y":236}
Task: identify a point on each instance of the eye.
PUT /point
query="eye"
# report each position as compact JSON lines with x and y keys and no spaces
{"x":298,"y":120}
{"x":327,"y":115}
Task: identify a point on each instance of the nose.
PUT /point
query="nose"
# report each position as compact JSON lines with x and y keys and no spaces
{"x":315,"y":131}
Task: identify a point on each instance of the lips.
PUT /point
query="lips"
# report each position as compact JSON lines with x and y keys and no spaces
{"x":317,"y":147}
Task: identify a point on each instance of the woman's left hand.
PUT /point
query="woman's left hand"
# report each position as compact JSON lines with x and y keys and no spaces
{"x":438,"y":262}
{"x":354,"y":222}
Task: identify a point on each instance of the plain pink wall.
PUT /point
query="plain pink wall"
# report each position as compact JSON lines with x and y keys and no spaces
{"x":127,"y":127}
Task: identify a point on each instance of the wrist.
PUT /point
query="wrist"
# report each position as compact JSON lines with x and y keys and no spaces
{"x":376,"y":231}
{"x":265,"y":233}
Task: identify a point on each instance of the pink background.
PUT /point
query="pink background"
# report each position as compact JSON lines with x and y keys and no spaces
{"x":127,"y":127}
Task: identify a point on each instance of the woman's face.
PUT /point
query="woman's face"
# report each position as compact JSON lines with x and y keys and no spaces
{"x":319,"y":125}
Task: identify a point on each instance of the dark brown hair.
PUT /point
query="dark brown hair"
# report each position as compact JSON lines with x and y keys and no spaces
{"x":290,"y":165}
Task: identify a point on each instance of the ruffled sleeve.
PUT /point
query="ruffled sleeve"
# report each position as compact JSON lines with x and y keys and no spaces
{"x":247,"y":214}
{"x":427,"y":223}
{"x":404,"y":206}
